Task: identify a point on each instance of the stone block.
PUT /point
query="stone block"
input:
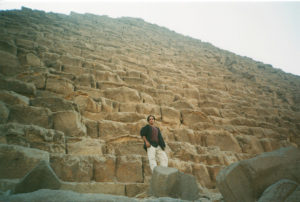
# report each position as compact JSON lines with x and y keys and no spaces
{"x":9,"y":64}
{"x":278,"y":191}
{"x":72,"y":168}
{"x":135,"y":189}
{"x":170,"y":115}
{"x":122,"y":94}
{"x":247,"y":179}
{"x":59,"y":85}
{"x":31,"y":115}
{"x":69,"y":122}
{"x":55,"y":104}
{"x":33,"y":136}
{"x":8,"y":46}
{"x":86,"y":103}
{"x":129,"y":169}
{"x":19,"y":160}
{"x":222,"y":139}
{"x":191,"y":117}
{"x":17,"y":86}
{"x":92,"y":128}
{"x":127,"y":117}
{"x":4,"y":113}
{"x":172,"y":183}
{"x":86,"y":80}
{"x":105,"y":168}
{"x":40,"y":177}
{"x":86,"y":146}
{"x":13,"y":98}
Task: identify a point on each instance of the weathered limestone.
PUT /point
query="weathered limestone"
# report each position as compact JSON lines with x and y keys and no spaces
{"x":59,"y":85}
{"x":69,"y":122}
{"x":19,"y":160}
{"x":129,"y":169}
{"x":4,"y":113}
{"x":33,"y":136}
{"x":72,"y":168}
{"x":13,"y":98}
{"x":31,"y":115}
{"x":55,"y":104}
{"x":9,"y":63}
{"x":40,"y":177}
{"x":105,"y":168}
{"x":17,"y":86}
{"x":248,"y":179}
{"x":170,"y":182}
{"x":279,"y":191}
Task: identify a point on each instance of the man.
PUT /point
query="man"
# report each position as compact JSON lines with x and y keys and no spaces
{"x":154,"y":144}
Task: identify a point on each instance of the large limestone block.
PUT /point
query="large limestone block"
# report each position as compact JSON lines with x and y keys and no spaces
{"x":55,"y":104}
{"x":250,"y":144}
{"x":185,"y":135}
{"x":105,"y":168}
{"x":107,"y":76}
{"x":9,"y":64}
{"x":222,"y":139}
{"x":182,"y":104}
{"x":13,"y":98}
{"x":33,"y":136}
{"x":72,"y":168}
{"x":59,"y":85}
{"x":71,"y":60}
{"x":9,"y":46}
{"x":293,"y":197}
{"x":86,"y":80}
{"x":86,"y":146}
{"x":17,"y":86}
{"x":69,"y":122}
{"x":122,"y":94}
{"x":125,"y":145}
{"x":170,"y":115}
{"x":127,"y":117}
{"x":31,"y":115}
{"x":172,"y":183}
{"x":135,"y":189}
{"x":40,"y":177}
{"x":129,"y":169}
{"x":191,"y":117}
{"x":202,"y":175}
{"x":86,"y":103}
{"x":4,"y":113}
{"x":16,"y":161}
{"x":32,"y":60}
{"x":247,"y":179}
{"x":279,"y":191}
{"x":92,"y":128}
{"x":37,"y":76}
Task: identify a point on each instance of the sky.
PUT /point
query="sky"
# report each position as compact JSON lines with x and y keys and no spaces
{"x":266,"y":31}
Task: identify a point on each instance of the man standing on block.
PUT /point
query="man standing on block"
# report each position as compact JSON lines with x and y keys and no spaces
{"x":154,"y":144}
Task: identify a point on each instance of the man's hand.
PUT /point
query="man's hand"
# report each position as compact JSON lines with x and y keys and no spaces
{"x":147,"y":144}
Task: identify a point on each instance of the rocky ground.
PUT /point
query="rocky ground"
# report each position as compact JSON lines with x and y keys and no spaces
{"x":76,"y":89}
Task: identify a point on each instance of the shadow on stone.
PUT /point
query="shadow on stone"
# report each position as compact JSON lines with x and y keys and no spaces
{"x":41,"y":177}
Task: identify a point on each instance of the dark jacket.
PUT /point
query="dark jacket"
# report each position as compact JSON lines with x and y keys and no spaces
{"x":147,"y":131}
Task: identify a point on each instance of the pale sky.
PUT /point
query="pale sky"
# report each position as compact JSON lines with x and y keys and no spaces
{"x":266,"y":31}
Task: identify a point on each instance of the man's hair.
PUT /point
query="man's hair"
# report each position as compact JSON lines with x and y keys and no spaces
{"x":148,"y":118}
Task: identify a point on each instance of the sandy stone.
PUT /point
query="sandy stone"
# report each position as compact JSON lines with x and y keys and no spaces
{"x":31,"y":115}
{"x":12,"y":98}
{"x":105,"y":168}
{"x":129,"y":169}
{"x":72,"y":168}
{"x":69,"y":122}
{"x":19,"y":160}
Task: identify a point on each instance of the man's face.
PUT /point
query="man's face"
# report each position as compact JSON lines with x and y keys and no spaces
{"x":151,"y":120}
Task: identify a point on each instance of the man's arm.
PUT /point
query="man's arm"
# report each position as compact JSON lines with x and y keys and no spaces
{"x":146,"y":142}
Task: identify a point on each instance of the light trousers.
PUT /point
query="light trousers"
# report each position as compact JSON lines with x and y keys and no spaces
{"x":156,"y":153}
